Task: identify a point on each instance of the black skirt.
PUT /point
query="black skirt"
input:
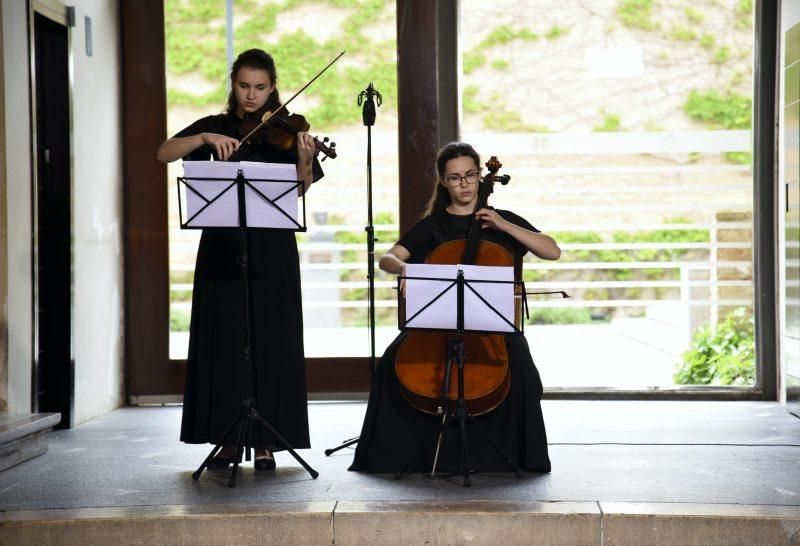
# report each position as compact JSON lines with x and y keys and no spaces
{"x":215,"y":385}
{"x":393,"y":431}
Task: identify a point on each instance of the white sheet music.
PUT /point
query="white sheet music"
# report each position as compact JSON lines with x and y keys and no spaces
{"x":224,"y":212}
{"x":442,"y":314}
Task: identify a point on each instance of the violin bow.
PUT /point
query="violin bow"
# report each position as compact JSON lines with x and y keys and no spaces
{"x":269,"y":115}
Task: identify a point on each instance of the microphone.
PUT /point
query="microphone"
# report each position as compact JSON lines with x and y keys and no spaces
{"x":366,"y":98}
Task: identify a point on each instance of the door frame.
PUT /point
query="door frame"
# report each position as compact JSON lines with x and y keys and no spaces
{"x":64,"y":15}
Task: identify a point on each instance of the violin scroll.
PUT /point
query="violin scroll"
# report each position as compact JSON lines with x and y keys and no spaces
{"x":328,"y":150}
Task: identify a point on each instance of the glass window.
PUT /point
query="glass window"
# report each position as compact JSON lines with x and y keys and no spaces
{"x":626,"y":128}
{"x":302,"y":37}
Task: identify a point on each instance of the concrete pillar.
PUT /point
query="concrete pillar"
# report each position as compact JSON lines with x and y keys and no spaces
{"x":3,"y":241}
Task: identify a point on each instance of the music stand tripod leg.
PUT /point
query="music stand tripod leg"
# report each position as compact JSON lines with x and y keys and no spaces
{"x":439,"y":445}
{"x":285,"y":444}
{"x":239,"y":441}
{"x":217,"y":448}
{"x":346,"y":443}
{"x":458,"y":353}
{"x":462,"y":433}
{"x":495,"y":446}
{"x":450,"y":360}
{"x":422,"y":447}
{"x":447,"y":417}
{"x":463,"y":415}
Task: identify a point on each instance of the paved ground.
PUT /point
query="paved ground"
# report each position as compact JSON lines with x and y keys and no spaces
{"x":676,"y":452}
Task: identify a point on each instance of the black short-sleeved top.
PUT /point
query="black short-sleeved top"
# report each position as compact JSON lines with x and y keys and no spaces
{"x":441,"y":227}
{"x":228,"y":125}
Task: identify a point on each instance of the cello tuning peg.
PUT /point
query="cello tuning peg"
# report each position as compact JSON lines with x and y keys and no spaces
{"x":333,"y":145}
{"x":326,"y":139}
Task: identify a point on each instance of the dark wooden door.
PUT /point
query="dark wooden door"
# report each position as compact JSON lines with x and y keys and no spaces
{"x":52,"y":228}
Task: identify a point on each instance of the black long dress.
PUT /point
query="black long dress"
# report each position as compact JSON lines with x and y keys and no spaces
{"x":214,"y":383}
{"x":393,"y":431}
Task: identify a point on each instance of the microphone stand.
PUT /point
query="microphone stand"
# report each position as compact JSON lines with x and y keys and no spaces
{"x":367,"y":99}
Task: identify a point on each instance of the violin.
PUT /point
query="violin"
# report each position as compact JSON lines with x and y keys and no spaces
{"x":421,"y":364}
{"x":280,"y":131}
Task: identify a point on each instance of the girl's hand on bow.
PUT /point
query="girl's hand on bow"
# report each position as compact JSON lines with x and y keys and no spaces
{"x":224,"y":146}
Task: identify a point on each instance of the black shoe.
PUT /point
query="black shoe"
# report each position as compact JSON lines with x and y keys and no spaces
{"x":219,"y":463}
{"x":264,"y":463}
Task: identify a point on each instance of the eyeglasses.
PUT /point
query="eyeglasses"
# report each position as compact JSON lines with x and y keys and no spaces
{"x":454,"y":180}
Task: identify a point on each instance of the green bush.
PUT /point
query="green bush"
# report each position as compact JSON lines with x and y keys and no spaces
{"x":473,"y":60}
{"x":721,"y":355}
{"x":611,"y":124}
{"x":559,"y":315}
{"x":500,"y":35}
{"x":179,"y":320}
{"x":694,"y":16}
{"x":683,"y":34}
{"x":556,"y":32}
{"x":722,"y":55}
{"x":729,"y":111}
{"x":744,"y":14}
{"x":708,"y":41}
{"x":742,"y":158}
{"x":637,"y":14}
{"x":500,"y":64}
{"x":501,"y":119}
{"x":504,"y":34}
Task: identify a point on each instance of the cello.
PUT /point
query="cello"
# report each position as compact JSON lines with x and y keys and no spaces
{"x":421,"y":363}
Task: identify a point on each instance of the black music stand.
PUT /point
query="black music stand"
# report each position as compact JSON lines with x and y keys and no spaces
{"x":459,"y":414}
{"x":249,"y":194}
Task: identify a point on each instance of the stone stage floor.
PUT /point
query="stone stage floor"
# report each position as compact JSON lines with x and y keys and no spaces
{"x":726,"y":458}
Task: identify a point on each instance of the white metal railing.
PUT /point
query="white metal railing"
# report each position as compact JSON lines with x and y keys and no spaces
{"x":343,"y":266}
{"x":684,"y":284}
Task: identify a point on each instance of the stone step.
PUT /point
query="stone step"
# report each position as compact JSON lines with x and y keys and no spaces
{"x":23,"y":436}
{"x":409,"y":522}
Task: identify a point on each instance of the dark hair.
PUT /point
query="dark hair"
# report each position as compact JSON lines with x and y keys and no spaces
{"x":440,"y":197}
{"x":258,"y":59}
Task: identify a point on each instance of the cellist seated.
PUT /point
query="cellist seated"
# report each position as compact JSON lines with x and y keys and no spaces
{"x":393,"y":430}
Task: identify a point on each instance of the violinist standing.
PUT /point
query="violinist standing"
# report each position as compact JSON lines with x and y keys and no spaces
{"x":393,"y":430}
{"x":214,"y":383}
